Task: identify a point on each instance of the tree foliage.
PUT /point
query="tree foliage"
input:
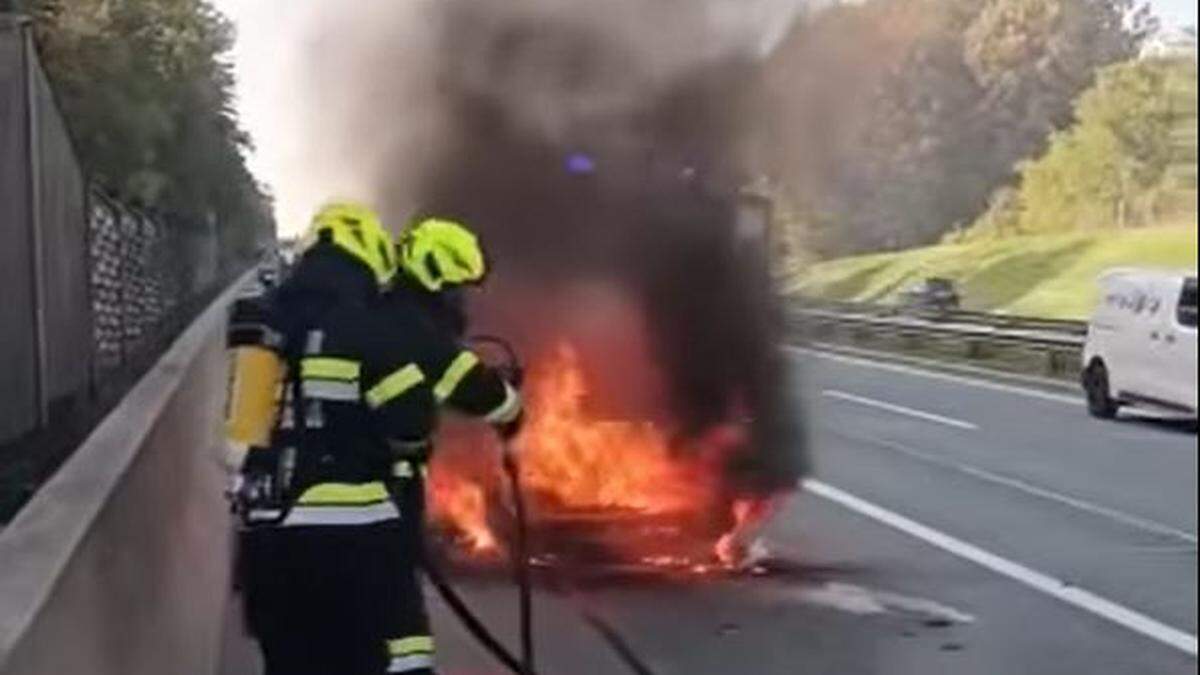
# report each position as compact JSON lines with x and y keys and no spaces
{"x":933,"y":112}
{"x":148,"y":96}
{"x":1114,"y":166}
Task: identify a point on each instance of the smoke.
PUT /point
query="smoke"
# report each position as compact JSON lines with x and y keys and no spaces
{"x":599,"y":149}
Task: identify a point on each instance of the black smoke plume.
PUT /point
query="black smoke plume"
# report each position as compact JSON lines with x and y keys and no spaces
{"x":600,"y":150}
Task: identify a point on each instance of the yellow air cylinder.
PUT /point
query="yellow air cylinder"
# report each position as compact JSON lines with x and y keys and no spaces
{"x":256,"y":374}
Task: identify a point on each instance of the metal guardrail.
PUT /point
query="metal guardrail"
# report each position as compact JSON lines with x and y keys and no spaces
{"x":1059,"y":340}
{"x":997,"y":327}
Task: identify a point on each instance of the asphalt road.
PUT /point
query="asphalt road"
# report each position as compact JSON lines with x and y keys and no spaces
{"x":1109,"y":508}
{"x":953,"y":525}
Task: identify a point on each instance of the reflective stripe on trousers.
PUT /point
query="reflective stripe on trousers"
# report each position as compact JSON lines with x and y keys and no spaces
{"x":407,"y":664}
{"x":340,"y":515}
{"x":342,"y":504}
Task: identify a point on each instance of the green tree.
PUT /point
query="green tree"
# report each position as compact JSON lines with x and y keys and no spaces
{"x":149,"y":99}
{"x":1114,"y":166}
{"x":934,"y":112}
{"x":1032,"y":57}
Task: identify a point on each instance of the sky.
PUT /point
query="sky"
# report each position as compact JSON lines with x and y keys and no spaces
{"x":268,"y":37}
{"x":1175,"y":13}
{"x":271,"y":35}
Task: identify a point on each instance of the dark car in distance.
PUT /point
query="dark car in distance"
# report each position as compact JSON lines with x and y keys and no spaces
{"x":934,"y":293}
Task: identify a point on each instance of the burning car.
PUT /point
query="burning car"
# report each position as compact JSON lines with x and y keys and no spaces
{"x":603,"y":170}
{"x":602,"y":491}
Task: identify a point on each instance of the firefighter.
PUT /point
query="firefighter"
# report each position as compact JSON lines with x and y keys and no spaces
{"x":328,"y":553}
{"x":437,"y":259}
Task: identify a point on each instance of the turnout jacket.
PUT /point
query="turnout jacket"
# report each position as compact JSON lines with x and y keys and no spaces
{"x":366,"y":377}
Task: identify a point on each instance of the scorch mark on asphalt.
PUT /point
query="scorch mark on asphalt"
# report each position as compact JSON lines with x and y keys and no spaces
{"x":863,"y":601}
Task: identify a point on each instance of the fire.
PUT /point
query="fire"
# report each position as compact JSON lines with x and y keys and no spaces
{"x":464,"y":503}
{"x":740,"y":546}
{"x":632,"y":478}
{"x":587,"y":463}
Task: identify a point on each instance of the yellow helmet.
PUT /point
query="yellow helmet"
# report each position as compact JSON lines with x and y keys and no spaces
{"x":437,"y":252}
{"x":356,"y":229}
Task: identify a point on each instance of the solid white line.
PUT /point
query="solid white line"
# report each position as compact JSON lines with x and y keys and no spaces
{"x":933,"y":375}
{"x":1039,"y":382}
{"x":1056,"y":588}
{"x":899,"y":409}
{"x":1044,"y":493}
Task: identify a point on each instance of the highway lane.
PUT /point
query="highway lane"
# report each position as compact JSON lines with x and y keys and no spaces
{"x":1023,"y":477}
{"x":1109,"y":506}
{"x":1135,"y":464}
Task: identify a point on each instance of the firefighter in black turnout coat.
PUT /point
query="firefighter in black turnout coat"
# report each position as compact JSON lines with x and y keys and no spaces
{"x":330,"y":506}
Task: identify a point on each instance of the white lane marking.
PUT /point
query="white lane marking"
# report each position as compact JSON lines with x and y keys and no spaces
{"x":957,"y":379}
{"x":899,"y":409}
{"x":1044,"y":493}
{"x":1073,"y":595}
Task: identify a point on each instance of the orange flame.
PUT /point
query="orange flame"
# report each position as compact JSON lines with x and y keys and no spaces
{"x":464,"y":504}
{"x":585,"y":463}
{"x":573,"y":461}
{"x":735,"y":547}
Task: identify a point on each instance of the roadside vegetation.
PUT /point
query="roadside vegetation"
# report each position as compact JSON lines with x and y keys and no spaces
{"x":1129,"y":159}
{"x":1051,"y":275}
{"x":1116,"y":188}
{"x":147,"y":92}
{"x":918,"y":111}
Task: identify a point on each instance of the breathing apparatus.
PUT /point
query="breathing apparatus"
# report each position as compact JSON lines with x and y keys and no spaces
{"x":256,"y":374}
{"x":257,"y":367}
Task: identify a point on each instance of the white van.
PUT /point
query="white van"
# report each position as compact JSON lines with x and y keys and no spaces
{"x":1141,"y":343}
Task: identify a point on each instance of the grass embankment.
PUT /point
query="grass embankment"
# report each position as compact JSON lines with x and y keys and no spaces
{"x":1052,"y":276}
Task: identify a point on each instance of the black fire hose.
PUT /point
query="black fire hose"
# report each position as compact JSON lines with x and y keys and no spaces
{"x":471,"y":622}
{"x":520,"y":560}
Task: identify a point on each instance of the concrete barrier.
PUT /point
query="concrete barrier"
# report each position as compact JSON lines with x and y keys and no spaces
{"x":120,"y":564}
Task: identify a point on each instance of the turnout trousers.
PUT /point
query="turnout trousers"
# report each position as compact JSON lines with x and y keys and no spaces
{"x":336,"y":599}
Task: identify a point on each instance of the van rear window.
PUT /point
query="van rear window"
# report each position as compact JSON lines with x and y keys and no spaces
{"x":1187,"y":303}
